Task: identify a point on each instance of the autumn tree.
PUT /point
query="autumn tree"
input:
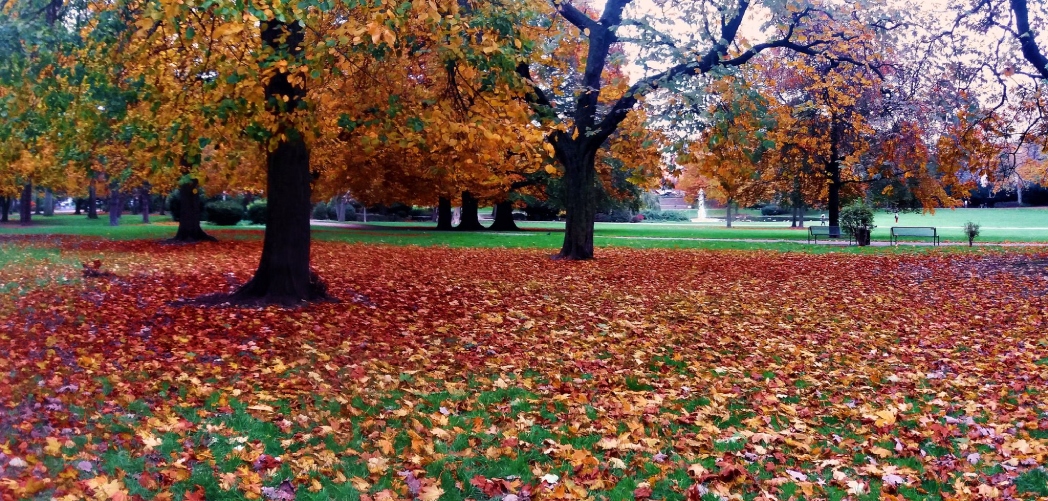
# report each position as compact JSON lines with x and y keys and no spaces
{"x":459,"y":127}
{"x":671,"y":58}
{"x":997,"y":49}
{"x":731,"y":152}
{"x":35,"y":37}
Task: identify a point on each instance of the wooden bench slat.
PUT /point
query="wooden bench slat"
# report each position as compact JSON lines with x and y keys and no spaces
{"x":914,"y":231}
{"x":814,"y":232}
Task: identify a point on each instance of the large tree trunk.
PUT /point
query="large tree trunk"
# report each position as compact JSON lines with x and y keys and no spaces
{"x":444,"y":214}
{"x":729,"y":215}
{"x":580,"y":200}
{"x":189,"y":218}
{"x":340,"y":208}
{"x":49,"y":202}
{"x":470,"y":214}
{"x":78,"y":203}
{"x":283,"y":275}
{"x":25,"y":210}
{"x":834,"y":202}
{"x":92,"y":201}
{"x":504,"y":217}
{"x":143,"y":202}
{"x":5,"y":209}
{"x":116,"y":204}
{"x":800,"y":215}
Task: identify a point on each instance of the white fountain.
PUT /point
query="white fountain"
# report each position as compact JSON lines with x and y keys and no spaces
{"x":703,"y":218}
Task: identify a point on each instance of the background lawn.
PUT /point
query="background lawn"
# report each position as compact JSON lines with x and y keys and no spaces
{"x":998,"y":226}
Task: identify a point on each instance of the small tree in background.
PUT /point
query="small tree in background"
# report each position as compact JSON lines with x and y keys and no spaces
{"x":857,"y":219}
{"x":971,"y":230}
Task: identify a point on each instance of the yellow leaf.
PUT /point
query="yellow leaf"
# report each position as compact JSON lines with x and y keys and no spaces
{"x":430,"y":493}
{"x":149,"y":440}
{"x":53,"y":447}
{"x":885,"y":417}
{"x":881,"y":451}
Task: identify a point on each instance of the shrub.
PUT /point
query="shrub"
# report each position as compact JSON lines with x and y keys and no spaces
{"x":856,"y":215}
{"x":971,"y":230}
{"x":351,"y":213}
{"x":224,"y":212}
{"x":1009,"y":205}
{"x":772,"y":210}
{"x":666,"y":215}
{"x":421,"y":213}
{"x":320,"y":211}
{"x":541,"y":212}
{"x":857,"y":219}
{"x":675,"y":215}
{"x":257,"y":212}
{"x":615,"y":216}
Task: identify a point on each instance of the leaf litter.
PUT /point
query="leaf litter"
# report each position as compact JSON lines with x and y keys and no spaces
{"x":499,"y":374}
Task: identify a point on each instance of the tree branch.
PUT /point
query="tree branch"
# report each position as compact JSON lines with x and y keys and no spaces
{"x":710,"y":60}
{"x":575,"y":16}
{"x":536,"y":97}
{"x":1027,"y":41}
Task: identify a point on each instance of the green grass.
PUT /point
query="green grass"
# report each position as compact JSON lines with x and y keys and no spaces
{"x":998,"y":225}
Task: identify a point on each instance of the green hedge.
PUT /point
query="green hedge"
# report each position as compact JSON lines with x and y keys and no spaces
{"x":224,"y":212}
{"x":258,"y":212}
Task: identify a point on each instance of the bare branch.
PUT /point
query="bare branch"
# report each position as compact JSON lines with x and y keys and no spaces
{"x":576,"y":17}
{"x":1027,"y":41}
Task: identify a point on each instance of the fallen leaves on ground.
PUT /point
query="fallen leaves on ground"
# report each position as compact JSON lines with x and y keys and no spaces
{"x":500,"y":374}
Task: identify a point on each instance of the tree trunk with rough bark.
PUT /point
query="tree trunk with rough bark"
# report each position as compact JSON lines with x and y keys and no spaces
{"x":143,"y":202}
{"x":470,"y":220}
{"x":504,"y":217}
{"x":189,"y":230}
{"x":92,"y":201}
{"x":580,"y":176}
{"x":49,"y":202}
{"x":834,"y":202}
{"x":444,"y":214}
{"x":728,"y":214}
{"x":116,"y":204}
{"x":25,"y":209}
{"x":340,"y":208}
{"x":283,"y":275}
{"x":5,"y":209}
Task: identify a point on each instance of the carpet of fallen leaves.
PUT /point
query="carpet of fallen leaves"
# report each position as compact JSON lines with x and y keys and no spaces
{"x":500,"y":374}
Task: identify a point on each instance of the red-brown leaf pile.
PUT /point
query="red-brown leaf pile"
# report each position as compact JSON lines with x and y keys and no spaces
{"x":500,"y":374}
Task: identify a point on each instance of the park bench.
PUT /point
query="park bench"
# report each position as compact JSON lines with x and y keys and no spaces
{"x":914,"y":231}
{"x":814,"y":232}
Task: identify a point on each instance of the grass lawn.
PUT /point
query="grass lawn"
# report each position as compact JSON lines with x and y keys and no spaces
{"x":484,"y":373}
{"x":999,"y":225}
